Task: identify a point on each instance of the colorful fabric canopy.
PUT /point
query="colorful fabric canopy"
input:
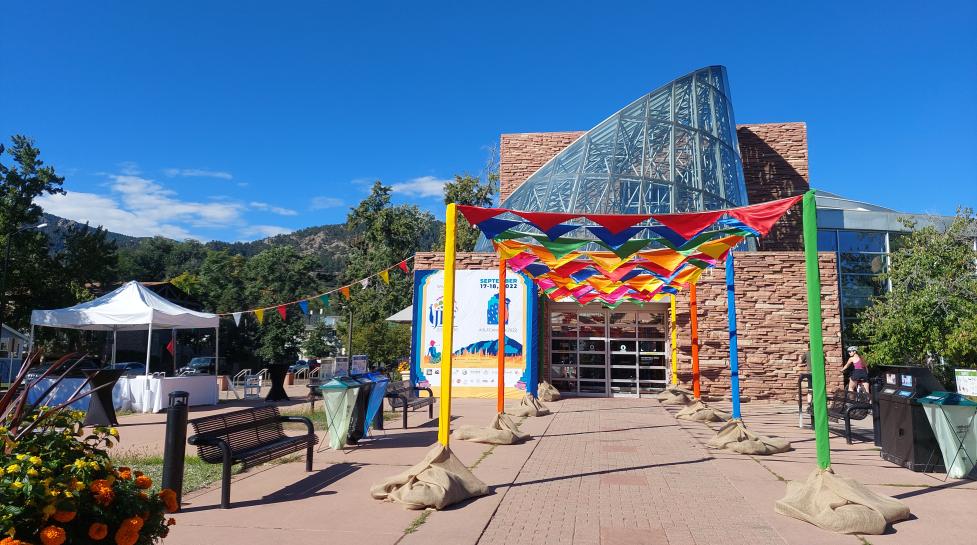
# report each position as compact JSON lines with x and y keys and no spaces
{"x":644,"y":257}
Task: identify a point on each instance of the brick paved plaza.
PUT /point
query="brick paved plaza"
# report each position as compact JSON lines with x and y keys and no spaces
{"x":597,"y":471}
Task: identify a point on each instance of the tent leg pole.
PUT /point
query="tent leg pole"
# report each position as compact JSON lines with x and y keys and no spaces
{"x":813,"y":274}
{"x":447,"y":340}
{"x":503,"y":311}
{"x":217,"y":359}
{"x":694,"y":314}
{"x":115,"y":342}
{"x":149,"y":347}
{"x":734,"y":356}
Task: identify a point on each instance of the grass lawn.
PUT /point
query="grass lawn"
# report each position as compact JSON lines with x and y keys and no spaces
{"x":197,"y":473}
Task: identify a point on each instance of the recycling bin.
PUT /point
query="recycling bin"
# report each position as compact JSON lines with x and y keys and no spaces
{"x":907,"y":438}
{"x":374,"y":407}
{"x":339,"y":399}
{"x":358,"y":421}
{"x":952,"y":418}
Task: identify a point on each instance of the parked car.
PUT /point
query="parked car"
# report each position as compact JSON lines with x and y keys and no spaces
{"x":202,"y":365}
{"x":298,"y":366}
{"x":130,"y":367}
{"x":77,"y":372}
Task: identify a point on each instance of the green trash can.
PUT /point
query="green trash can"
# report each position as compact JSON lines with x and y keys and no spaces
{"x":952,"y":417}
{"x":339,"y":399}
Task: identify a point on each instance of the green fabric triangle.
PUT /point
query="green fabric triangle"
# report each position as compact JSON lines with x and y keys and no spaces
{"x":561,"y":246}
{"x":630,"y":247}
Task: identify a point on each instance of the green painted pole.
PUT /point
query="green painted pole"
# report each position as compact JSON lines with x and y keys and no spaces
{"x":822,"y":446}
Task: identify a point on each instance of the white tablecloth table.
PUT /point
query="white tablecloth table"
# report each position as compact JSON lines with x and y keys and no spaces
{"x":151,"y":394}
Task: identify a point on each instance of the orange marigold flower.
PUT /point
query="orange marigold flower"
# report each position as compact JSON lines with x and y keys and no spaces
{"x":53,"y":535}
{"x":12,"y":541}
{"x":124,"y":473}
{"x":169,"y":500}
{"x":143,"y":482}
{"x":125,"y":536}
{"x":97,"y":531}
{"x":102,"y":491}
{"x":171,"y":521}
{"x":64,"y":516}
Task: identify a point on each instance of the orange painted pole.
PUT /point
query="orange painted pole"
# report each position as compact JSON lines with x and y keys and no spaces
{"x":693,"y":312}
{"x":503,"y":317}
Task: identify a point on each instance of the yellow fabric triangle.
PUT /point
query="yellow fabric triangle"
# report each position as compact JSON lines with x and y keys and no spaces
{"x":260,"y":315}
{"x":665,"y":258}
{"x":549,"y":259}
{"x":510,"y":248}
{"x":689,"y":275}
{"x":716,"y":248}
{"x":385,"y":276}
{"x":607,"y":260}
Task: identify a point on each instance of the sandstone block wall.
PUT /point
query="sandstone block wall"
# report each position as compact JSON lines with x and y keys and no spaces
{"x":520,"y":155}
{"x":771,"y":305}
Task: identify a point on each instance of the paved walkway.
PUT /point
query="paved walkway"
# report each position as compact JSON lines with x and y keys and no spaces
{"x":597,"y":471}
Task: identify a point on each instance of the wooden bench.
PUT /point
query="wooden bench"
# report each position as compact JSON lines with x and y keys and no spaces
{"x":249,"y":437}
{"x":848,"y":406}
{"x":402,"y":394}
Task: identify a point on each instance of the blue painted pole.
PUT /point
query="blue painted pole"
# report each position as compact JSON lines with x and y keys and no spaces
{"x":734,"y":356}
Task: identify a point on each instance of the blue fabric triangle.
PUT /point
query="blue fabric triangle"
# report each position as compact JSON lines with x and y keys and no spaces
{"x":536,"y":269}
{"x":614,"y":241}
{"x":671,"y":236}
{"x":559,"y":230}
{"x":584,"y":274}
{"x":493,"y":226}
{"x":304,"y":305}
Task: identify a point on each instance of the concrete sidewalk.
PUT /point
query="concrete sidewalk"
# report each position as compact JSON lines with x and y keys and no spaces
{"x":607,"y":471}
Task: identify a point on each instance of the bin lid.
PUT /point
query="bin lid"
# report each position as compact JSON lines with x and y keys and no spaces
{"x":947,"y":398}
{"x":340,"y":383}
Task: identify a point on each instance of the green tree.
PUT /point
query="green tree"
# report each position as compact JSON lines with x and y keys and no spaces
{"x":147,"y":262}
{"x":472,"y":191}
{"x":320,"y":341}
{"x":931,"y":311}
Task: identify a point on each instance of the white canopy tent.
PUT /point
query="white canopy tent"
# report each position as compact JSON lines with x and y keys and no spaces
{"x":132,"y":307}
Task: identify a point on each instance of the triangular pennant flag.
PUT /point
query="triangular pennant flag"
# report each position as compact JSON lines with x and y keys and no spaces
{"x":237,"y":318}
{"x":325,"y":300}
{"x":345,"y":291}
{"x":570,"y":268}
{"x":476,"y":215}
{"x":618,"y":273}
{"x":544,"y":221}
{"x":607,"y":261}
{"x":536,"y":269}
{"x":762,"y":216}
{"x":630,"y":248}
{"x":614,"y":240}
{"x":558,"y":231}
{"x":519,"y":262}
{"x":171,"y":347}
{"x":670,"y":237}
{"x":615,"y":223}
{"x":260,"y":315}
{"x":403,"y":266}
{"x":561,"y":246}
{"x":304,"y":307}
{"x":365,"y":282}
{"x":492,"y":227}
{"x":282,"y":311}
{"x":690,"y":224}
{"x":385,"y":276}
{"x":583,"y":274}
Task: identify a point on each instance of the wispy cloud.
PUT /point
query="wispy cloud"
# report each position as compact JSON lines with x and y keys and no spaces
{"x":263,"y":206}
{"x":263,"y":231}
{"x":319,"y":203}
{"x":197,"y":173}
{"x":424,"y":186}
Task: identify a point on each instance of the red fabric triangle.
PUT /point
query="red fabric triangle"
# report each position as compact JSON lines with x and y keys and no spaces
{"x":691,"y":224}
{"x":617,"y":273}
{"x":615,"y":223}
{"x":559,"y":293}
{"x":403,"y":266}
{"x":171,"y":348}
{"x":587,"y":297}
{"x":762,"y":216}
{"x":477,"y":214}
{"x":566,"y":270}
{"x":544,"y":221}
{"x":282,"y":311}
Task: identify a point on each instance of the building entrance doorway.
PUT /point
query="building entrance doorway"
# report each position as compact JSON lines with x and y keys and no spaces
{"x":603,"y":352}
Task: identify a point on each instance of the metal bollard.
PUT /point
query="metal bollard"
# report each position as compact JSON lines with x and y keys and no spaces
{"x":175,"y":445}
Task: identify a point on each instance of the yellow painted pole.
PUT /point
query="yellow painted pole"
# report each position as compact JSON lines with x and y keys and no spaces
{"x":448,"y":326}
{"x":503,"y":316}
{"x":673,"y":322}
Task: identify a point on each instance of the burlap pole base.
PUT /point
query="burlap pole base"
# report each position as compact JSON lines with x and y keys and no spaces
{"x":529,"y":406}
{"x":700,"y":412}
{"x":439,"y":480}
{"x":840,"y":504}
{"x":676,"y":396}
{"x":735,"y":437}
{"x":548,"y":392}
{"x":502,"y":431}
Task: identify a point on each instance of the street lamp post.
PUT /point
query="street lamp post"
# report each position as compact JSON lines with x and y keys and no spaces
{"x":3,"y":285}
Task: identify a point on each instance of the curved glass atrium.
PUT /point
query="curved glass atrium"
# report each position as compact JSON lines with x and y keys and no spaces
{"x":672,"y":150}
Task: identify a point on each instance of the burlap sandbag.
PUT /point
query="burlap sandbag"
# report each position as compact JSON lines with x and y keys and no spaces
{"x":439,"y":480}
{"x":502,"y":431}
{"x":548,"y":392}
{"x":840,"y":504}
{"x":676,"y":396}
{"x":735,"y":437}
{"x":529,"y":406}
{"x":700,"y":412}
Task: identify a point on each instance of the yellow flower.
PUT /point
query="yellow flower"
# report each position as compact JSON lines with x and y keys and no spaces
{"x":2,"y":472}
{"x":79,"y":485}
{"x":68,"y":494}
{"x":13,"y":468}
{"x":93,"y":465}
{"x":32,"y":472}
{"x":79,"y":464}
{"x":21,"y":457}
{"x":114,"y":432}
{"x":34,"y":460}
{"x":16,"y":485}
{"x":3,"y":429}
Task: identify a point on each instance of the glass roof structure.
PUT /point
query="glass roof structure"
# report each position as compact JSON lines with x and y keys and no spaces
{"x":672,"y":150}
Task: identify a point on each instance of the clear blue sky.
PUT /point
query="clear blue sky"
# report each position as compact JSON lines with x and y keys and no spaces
{"x":233,"y":120}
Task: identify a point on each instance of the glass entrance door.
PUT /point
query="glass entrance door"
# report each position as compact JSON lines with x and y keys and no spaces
{"x":620,"y":352}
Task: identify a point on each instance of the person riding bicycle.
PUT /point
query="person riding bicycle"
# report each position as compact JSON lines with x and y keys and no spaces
{"x":859,"y":373}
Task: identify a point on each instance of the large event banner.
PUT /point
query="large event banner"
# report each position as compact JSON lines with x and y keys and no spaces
{"x":476,"y":334}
